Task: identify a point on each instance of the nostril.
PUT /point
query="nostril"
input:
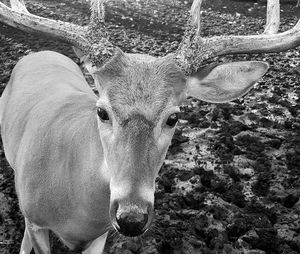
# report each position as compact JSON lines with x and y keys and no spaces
{"x":132,"y":224}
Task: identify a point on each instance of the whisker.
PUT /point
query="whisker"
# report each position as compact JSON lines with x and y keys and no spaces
{"x":114,"y":234}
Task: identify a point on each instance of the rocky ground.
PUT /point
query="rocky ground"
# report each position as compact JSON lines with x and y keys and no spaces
{"x":231,"y":180}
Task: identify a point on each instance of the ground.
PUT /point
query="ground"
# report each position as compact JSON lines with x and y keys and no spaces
{"x":231,"y":179}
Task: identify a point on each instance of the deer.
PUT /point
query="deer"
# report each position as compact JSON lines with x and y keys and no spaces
{"x":85,"y":164}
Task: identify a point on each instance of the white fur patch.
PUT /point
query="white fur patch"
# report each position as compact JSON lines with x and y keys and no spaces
{"x":120,"y":191}
{"x":147,"y":194}
{"x":130,"y":208}
{"x":35,"y":227}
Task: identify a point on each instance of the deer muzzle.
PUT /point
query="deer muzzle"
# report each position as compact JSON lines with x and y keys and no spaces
{"x":131,"y":218}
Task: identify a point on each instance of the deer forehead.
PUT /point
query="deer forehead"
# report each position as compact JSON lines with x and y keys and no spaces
{"x":140,"y":84}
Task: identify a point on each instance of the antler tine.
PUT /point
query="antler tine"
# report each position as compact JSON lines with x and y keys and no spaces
{"x":101,"y":48}
{"x":273,"y":17}
{"x":193,"y":49}
{"x":196,"y":15}
{"x":18,"y":16}
{"x":97,"y":10}
{"x":18,"y":5}
{"x":92,"y":40}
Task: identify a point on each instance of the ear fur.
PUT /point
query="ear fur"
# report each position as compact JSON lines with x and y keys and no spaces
{"x":225,"y":82}
{"x":85,"y":60}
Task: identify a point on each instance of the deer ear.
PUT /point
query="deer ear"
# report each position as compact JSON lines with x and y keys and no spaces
{"x":225,"y":82}
{"x":84,"y":59}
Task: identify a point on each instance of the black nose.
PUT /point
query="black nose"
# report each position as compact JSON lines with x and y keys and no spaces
{"x":132,"y":223}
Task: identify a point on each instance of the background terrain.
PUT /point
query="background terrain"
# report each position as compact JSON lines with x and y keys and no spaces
{"x":231,"y":180}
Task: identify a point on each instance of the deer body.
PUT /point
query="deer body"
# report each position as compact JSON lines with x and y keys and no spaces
{"x":68,"y":155}
{"x":51,"y":138}
{"x":77,"y":174}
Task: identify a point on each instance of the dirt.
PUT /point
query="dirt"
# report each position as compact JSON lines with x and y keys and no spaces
{"x":231,"y":179}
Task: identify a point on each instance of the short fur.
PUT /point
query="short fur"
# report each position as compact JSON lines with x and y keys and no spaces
{"x":135,"y":83}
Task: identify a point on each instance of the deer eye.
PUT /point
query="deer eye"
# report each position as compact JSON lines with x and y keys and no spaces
{"x":172,"y":120}
{"x":103,"y":115}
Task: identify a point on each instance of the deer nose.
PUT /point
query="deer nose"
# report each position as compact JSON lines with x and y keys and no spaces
{"x":131,"y":219}
{"x":132,"y":223}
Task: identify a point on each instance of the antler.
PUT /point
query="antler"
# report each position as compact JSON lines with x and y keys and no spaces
{"x":194,"y":49}
{"x":91,"y":40}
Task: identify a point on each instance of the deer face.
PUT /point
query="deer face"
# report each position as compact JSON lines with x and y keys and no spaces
{"x":137,"y":114}
{"x":137,"y":106}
